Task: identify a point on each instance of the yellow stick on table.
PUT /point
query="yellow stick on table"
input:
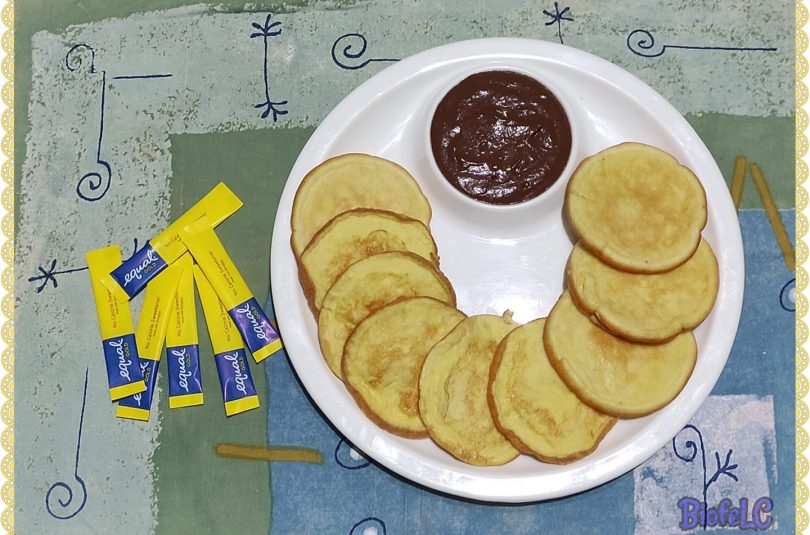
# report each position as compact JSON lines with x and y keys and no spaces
{"x":115,"y":324}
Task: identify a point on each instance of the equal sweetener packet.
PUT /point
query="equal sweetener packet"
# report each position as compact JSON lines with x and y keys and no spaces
{"x":150,"y":333}
{"x":182,"y":349}
{"x":115,"y":324}
{"x":130,"y":277}
{"x":238,"y":390}
{"x":259,"y":335}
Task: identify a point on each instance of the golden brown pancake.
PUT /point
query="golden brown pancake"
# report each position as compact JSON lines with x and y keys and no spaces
{"x":636,"y":208}
{"x":367,"y":286}
{"x":383,"y":357}
{"x":613,"y":375}
{"x":533,"y":408}
{"x":642,"y":307}
{"x":352,"y":181}
{"x":353,"y":235}
{"x":453,"y":392}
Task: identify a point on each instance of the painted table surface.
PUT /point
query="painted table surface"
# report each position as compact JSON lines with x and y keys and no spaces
{"x":124,"y":119}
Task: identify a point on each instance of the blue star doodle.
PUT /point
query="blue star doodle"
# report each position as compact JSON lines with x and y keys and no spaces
{"x":267,"y":31}
{"x":346,"y":57}
{"x":724,"y":469}
{"x":93,"y":186}
{"x":642,"y":43}
{"x":49,"y":274}
{"x":558,"y":17}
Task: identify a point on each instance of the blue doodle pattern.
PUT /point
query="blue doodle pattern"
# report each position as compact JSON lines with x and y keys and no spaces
{"x":558,"y":17}
{"x":726,"y":468}
{"x":267,"y":31}
{"x":49,"y":274}
{"x":642,"y":43}
{"x":93,"y":186}
{"x":60,"y":509}
{"x":347,"y":54}
{"x":369,"y":523}
{"x":344,"y":458}
{"x":786,"y":299}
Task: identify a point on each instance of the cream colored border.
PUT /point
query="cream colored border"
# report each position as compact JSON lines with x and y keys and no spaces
{"x":801,"y":273}
{"x":7,"y":279}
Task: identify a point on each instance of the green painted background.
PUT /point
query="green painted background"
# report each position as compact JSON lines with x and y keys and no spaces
{"x":256,"y":163}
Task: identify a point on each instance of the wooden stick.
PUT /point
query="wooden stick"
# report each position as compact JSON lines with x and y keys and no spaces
{"x":738,"y":181}
{"x":272,"y":454}
{"x":777,"y":225}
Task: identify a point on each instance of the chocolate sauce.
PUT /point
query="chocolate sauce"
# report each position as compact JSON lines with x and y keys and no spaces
{"x":500,"y":137}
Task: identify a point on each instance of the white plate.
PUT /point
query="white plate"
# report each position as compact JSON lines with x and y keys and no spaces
{"x":510,"y":258}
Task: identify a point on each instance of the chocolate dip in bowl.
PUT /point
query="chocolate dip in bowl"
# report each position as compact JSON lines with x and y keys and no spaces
{"x":502,"y":138}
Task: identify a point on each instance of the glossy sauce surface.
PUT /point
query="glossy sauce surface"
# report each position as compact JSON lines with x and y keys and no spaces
{"x":500,"y":137}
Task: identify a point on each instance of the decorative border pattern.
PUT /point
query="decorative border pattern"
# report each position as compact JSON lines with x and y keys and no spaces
{"x":801,"y":89}
{"x":7,"y":278}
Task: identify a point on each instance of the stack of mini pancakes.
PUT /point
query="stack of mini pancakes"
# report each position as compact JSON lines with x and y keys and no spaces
{"x":617,"y":344}
{"x":360,"y":235}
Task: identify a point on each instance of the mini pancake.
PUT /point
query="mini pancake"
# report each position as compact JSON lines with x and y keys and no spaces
{"x":636,"y":208}
{"x":367,"y":286}
{"x":353,"y":181}
{"x":383,"y":357}
{"x":640,"y":307}
{"x":533,"y":408}
{"x":612,"y":375}
{"x":353,"y":235}
{"x":453,"y":392}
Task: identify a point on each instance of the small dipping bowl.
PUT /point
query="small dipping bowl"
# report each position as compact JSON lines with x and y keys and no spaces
{"x":502,"y":138}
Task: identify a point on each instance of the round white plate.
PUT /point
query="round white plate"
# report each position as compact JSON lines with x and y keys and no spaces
{"x":506,"y":258}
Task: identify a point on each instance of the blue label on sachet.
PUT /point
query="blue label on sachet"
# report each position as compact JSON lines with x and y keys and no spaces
{"x":133,"y":274}
{"x":184,"y":370}
{"x":123,"y":364}
{"x":234,"y":375}
{"x":143,"y":400}
{"x":252,"y":322}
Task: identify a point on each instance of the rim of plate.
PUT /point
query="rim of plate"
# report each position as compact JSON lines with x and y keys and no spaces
{"x":485,"y":484}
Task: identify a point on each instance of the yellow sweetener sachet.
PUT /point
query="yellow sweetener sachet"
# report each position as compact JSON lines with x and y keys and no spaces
{"x":126,"y":279}
{"x":115,"y":324}
{"x":238,"y":390}
{"x":261,"y":338}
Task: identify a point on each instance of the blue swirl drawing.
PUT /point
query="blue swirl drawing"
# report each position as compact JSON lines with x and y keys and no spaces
{"x":93,"y":185}
{"x":371,"y":524}
{"x":49,"y":274}
{"x":642,"y":43}
{"x":61,"y":507}
{"x":343,"y":456}
{"x":787,"y":299}
{"x":558,"y":17}
{"x":725,"y":468}
{"x":348,"y":56}
{"x":267,"y":31}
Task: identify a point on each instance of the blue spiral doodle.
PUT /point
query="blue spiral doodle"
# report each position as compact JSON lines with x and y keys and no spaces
{"x":93,"y":186}
{"x":348,"y":54}
{"x":344,"y":459}
{"x":369,"y":522}
{"x":74,"y":59}
{"x":65,"y":503}
{"x":784,"y":296}
{"x":641,"y":42}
